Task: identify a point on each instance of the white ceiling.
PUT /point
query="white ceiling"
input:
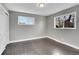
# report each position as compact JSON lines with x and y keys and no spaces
{"x":32,"y":8}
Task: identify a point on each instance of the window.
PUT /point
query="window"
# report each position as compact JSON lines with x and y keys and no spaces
{"x":22,"y":20}
{"x":65,"y":21}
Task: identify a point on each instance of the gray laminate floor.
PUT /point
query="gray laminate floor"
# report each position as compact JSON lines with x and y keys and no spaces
{"x":43,"y":46}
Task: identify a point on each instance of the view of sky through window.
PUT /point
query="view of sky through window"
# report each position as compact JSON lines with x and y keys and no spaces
{"x":25,"y":20}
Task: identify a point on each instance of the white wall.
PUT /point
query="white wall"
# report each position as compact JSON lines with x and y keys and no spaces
{"x":69,"y":36}
{"x":4,"y":29}
{"x":21,"y":32}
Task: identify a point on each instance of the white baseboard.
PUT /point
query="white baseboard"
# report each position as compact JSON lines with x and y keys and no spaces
{"x":2,"y":49}
{"x":73,"y":46}
{"x":27,"y":39}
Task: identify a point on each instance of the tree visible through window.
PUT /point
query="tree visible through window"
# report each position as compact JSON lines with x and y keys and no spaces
{"x":22,"y":20}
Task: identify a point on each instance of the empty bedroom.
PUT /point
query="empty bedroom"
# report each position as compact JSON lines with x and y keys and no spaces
{"x":39,"y":28}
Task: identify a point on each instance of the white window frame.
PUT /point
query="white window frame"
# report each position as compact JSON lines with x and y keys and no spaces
{"x":31,"y":18}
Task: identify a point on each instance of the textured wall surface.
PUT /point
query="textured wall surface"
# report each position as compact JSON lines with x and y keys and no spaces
{"x":19,"y":32}
{"x":70,"y":36}
{"x":4,"y":29}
